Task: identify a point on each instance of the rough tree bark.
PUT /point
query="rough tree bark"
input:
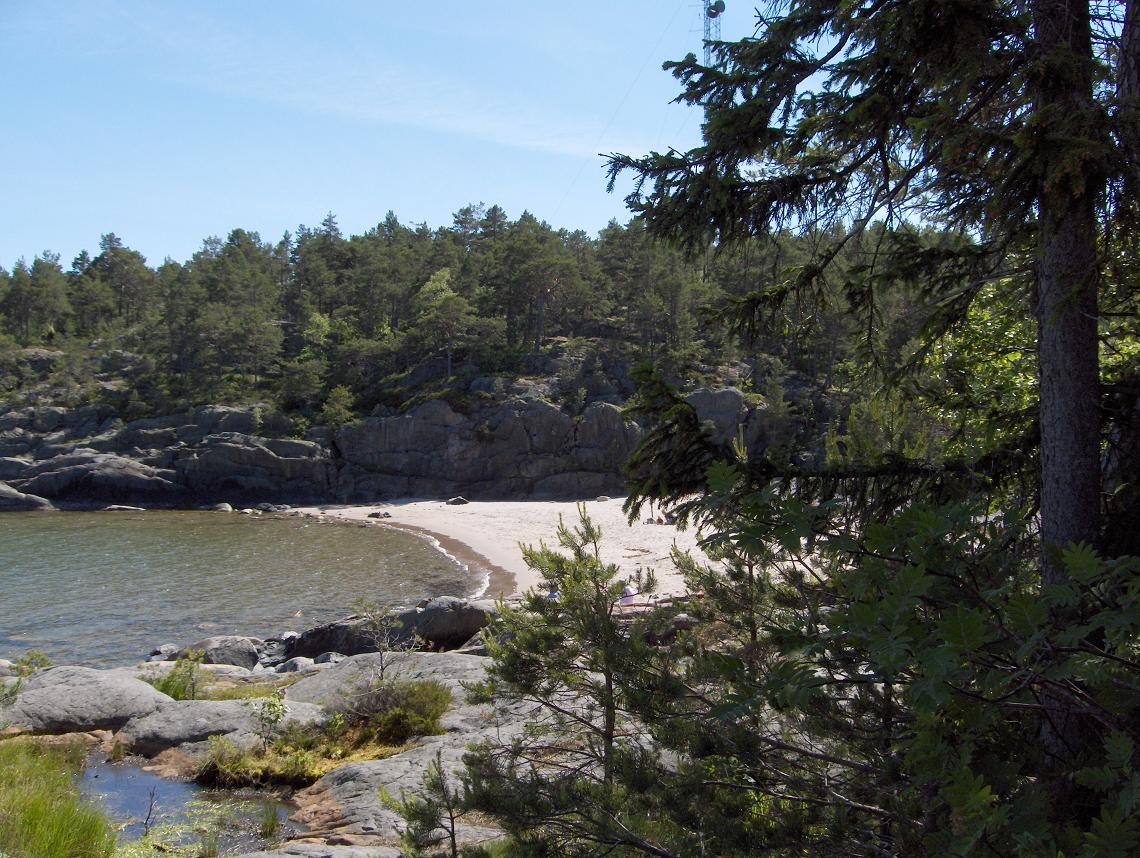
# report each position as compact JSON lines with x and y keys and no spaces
{"x":1067,"y":278}
{"x":1068,"y":358}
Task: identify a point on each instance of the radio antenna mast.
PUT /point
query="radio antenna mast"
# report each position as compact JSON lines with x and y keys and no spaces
{"x":711,"y":10}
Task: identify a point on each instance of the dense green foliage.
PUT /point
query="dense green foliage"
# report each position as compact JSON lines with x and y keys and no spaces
{"x":184,"y":680}
{"x":41,"y":812}
{"x":925,"y":641}
{"x":319,"y":320}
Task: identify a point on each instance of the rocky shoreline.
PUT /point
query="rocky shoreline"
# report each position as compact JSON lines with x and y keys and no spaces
{"x":343,"y":810}
{"x":500,"y":446}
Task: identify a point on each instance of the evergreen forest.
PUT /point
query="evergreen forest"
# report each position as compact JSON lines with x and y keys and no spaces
{"x":326,"y":327}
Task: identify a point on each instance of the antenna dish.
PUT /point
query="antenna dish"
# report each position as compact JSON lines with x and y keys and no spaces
{"x":712,"y":10}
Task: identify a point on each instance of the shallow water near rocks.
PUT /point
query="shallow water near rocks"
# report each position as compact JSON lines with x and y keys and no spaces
{"x":179,"y":813}
{"x":102,"y":589}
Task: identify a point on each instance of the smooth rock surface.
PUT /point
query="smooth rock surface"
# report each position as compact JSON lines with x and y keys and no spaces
{"x":89,"y":475}
{"x":224,"y":649}
{"x":13,"y":499}
{"x":182,"y":722}
{"x":335,"y":684}
{"x":77,"y":699}
{"x":345,"y":802}
{"x":295,"y":665}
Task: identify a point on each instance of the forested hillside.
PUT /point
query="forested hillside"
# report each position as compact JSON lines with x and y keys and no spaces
{"x":325,"y":326}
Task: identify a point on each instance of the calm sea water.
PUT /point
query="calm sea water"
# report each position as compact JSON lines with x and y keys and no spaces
{"x":103,"y":589}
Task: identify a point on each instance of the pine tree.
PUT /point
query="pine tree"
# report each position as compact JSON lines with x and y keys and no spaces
{"x":1010,"y":125}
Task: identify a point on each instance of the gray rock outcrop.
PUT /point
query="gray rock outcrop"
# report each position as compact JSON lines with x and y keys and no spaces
{"x":352,"y":790}
{"x":445,"y":622}
{"x":235,"y":465}
{"x":11,"y":499}
{"x":103,"y":476}
{"x":520,"y":447}
{"x":506,"y":441}
{"x":69,"y":699}
{"x":83,"y":455}
{"x":300,"y":664}
{"x":185,"y":722}
{"x":224,"y":649}
{"x":336,"y":683}
{"x":10,"y":468}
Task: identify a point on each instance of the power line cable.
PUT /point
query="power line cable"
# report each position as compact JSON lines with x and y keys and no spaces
{"x":620,"y":105}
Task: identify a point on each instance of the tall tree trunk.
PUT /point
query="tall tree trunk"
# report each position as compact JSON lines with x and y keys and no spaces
{"x":1067,"y":278}
{"x":1128,"y":91}
{"x":1121,"y":534}
{"x":1066,"y":316}
{"x":540,"y":318}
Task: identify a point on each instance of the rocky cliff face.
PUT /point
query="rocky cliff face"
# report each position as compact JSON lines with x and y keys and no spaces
{"x":517,"y":446}
{"x":84,"y":455}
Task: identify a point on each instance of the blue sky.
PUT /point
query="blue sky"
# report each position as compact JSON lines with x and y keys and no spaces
{"x":169,"y":122}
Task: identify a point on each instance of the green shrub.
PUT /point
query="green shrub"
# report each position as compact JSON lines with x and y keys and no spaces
{"x":270,"y":712}
{"x":26,"y":665}
{"x":382,"y":719}
{"x":184,"y":680}
{"x":228,"y":766}
{"x":42,"y":814}
{"x":408,"y":709}
{"x":338,"y":407}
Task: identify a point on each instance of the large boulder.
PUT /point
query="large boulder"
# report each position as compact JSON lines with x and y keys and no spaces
{"x":445,"y":622}
{"x":448,"y":622}
{"x":71,"y":699}
{"x":40,"y":361}
{"x":11,"y":499}
{"x":185,"y":722}
{"x":722,"y":411}
{"x":728,"y":414}
{"x":211,"y":419}
{"x":335,"y":684}
{"x":17,"y":442}
{"x":224,"y":649}
{"x":351,"y":636}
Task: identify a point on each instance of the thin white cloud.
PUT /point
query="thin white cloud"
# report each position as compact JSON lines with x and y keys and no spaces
{"x":319,"y":79}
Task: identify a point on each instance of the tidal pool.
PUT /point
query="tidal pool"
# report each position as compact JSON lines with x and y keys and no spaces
{"x":165,"y":814}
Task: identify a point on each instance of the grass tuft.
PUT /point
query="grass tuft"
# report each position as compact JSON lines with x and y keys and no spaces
{"x":42,"y":814}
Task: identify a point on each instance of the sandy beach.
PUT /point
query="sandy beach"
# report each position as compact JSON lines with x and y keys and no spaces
{"x":485,"y":536}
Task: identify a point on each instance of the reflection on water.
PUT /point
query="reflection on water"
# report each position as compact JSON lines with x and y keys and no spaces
{"x":104,"y":588}
{"x":178,"y":813}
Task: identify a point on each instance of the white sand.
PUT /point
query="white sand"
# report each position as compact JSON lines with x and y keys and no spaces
{"x":485,"y":535}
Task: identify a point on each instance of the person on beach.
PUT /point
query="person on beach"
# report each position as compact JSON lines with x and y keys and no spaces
{"x":628,"y":595}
